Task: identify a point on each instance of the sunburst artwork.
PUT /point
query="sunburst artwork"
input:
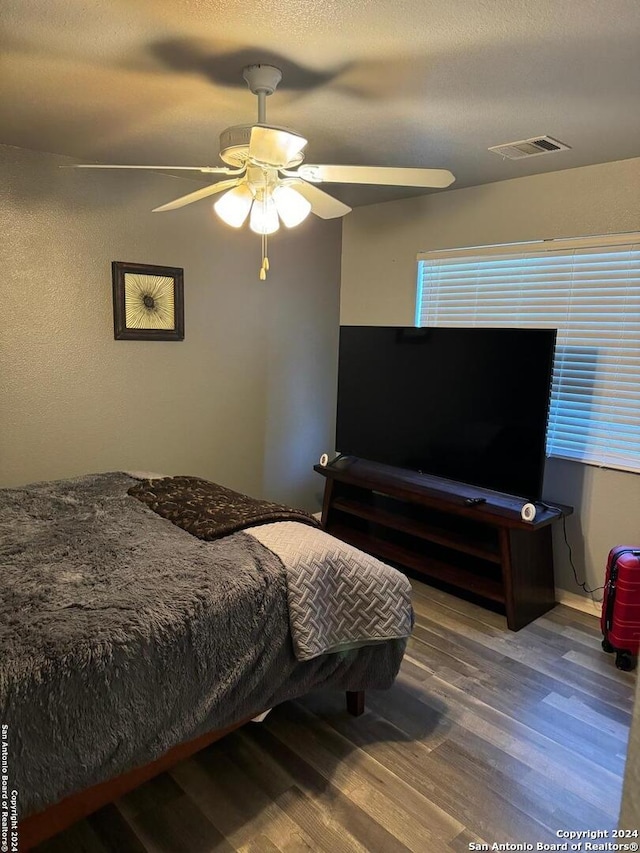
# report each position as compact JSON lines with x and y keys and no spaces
{"x":147,"y":302}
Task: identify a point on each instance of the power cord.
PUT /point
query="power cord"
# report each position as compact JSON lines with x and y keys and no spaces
{"x":582,"y":584}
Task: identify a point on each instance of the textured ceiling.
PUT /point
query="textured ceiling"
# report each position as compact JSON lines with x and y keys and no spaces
{"x":372,"y":82}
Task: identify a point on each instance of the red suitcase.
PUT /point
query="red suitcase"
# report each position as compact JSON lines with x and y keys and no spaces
{"x":620,"y":620}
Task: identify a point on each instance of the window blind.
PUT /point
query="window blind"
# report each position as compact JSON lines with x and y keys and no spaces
{"x":589,"y":290}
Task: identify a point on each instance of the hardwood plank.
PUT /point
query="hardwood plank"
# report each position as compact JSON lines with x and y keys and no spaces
{"x":466,"y":752}
{"x":259,"y":844}
{"x":81,"y":837}
{"x":603,"y":664}
{"x":488,"y":767}
{"x":389,"y":800}
{"x":115,"y":833}
{"x":178,"y":827}
{"x":427,"y":599}
{"x":460,"y":844}
{"x":159,"y":791}
{"x":574,"y":637}
{"x":356,"y":825}
{"x":483,"y":663}
{"x":519,"y":697}
{"x":576,"y":707}
{"x":570,"y":616}
{"x":440,"y":646}
{"x":518,"y":647}
{"x":326,"y":818}
{"x":238,"y":809}
{"x":566,"y":804}
{"x":552,"y":681}
{"x":600,"y":787}
{"x":484,"y":796}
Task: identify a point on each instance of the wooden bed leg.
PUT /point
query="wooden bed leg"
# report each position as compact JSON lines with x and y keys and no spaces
{"x":355,"y":702}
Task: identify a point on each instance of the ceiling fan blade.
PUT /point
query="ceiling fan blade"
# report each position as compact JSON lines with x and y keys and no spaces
{"x":275,"y":146}
{"x":381,"y":175}
{"x":322,"y":204}
{"x":197,"y":195}
{"x":209,"y":170}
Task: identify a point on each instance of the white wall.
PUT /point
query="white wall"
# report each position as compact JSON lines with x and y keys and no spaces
{"x":379,"y":249}
{"x":218,"y":404}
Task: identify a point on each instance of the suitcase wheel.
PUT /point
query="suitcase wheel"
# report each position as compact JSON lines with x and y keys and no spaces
{"x":625,"y":661}
{"x":606,"y":646}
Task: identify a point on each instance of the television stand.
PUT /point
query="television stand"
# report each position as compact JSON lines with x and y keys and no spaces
{"x":426,"y":524}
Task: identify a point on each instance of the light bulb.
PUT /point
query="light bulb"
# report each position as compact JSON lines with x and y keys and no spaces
{"x":264,"y":216}
{"x":233,"y":207}
{"x":292,"y":207}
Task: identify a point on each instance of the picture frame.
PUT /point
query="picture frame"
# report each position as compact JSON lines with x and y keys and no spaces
{"x":148,"y":302}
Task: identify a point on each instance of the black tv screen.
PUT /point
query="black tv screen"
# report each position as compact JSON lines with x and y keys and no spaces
{"x":466,"y":404}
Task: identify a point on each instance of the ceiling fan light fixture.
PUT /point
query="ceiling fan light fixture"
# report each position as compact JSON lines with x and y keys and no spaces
{"x":292,"y":207}
{"x":234,"y":206}
{"x":264,"y":216}
{"x":261,"y":185}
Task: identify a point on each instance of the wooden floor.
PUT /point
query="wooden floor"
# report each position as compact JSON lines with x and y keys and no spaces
{"x":486,"y":736}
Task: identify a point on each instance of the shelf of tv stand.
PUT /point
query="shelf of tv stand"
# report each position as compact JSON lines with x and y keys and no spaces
{"x":485,"y":587}
{"x":430,"y":532}
{"x":422,"y":523}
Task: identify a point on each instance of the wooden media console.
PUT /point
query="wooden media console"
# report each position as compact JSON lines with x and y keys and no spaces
{"x":425,"y":523}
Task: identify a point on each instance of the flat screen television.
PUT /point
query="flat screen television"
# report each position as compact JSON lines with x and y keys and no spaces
{"x":466,"y":404}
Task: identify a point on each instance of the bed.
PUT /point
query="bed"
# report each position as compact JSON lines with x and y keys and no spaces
{"x":144,"y":617}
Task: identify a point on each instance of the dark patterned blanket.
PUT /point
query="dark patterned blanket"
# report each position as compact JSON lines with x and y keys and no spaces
{"x":210,"y":511}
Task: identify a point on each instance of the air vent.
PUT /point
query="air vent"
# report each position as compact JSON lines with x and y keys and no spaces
{"x":529,"y":147}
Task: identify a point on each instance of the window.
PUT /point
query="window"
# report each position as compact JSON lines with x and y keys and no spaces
{"x":589,"y":290}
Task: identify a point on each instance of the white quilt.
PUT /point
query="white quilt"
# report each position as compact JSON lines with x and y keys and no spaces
{"x":339,"y":597}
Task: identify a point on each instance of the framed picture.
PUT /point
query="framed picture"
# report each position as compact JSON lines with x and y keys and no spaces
{"x":148,"y":302}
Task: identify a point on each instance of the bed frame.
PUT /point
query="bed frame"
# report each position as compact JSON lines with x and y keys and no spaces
{"x":36,"y":828}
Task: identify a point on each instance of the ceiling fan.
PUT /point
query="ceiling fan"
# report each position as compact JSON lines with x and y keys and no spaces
{"x":268,"y":180}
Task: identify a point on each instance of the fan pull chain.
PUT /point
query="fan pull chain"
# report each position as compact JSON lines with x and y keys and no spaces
{"x":265,"y":260}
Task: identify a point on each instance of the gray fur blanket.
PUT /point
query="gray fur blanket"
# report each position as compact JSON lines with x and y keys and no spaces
{"x":122,"y":635}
